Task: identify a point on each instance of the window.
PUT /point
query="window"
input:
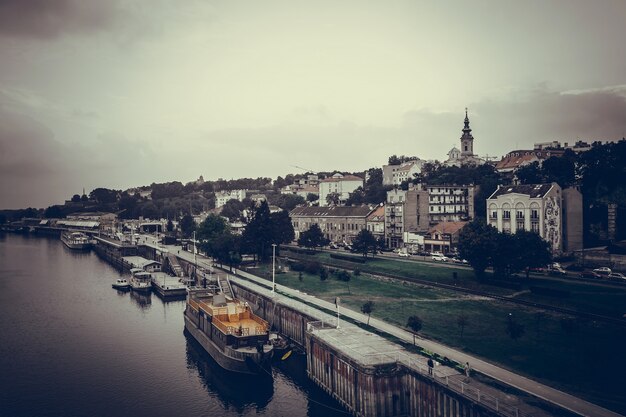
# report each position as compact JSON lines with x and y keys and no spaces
{"x":534,"y":214}
{"x":506,"y":214}
{"x":534,"y":227}
{"x":519,"y":214}
{"x":520,"y":225}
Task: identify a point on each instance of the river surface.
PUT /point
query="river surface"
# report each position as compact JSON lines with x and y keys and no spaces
{"x":70,"y":345}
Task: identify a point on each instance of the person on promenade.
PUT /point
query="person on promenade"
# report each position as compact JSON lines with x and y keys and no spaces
{"x":467,"y":372}
{"x":430,"y":366}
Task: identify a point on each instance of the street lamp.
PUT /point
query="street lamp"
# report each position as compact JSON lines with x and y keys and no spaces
{"x":273,"y":268}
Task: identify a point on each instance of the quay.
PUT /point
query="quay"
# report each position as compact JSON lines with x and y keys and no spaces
{"x":372,"y":376}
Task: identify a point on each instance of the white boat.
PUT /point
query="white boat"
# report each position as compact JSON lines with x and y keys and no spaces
{"x":121,"y":284}
{"x":140,"y":280}
{"x":76,"y":240}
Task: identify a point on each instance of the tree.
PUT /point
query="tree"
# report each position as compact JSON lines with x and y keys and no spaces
{"x":310,"y":197}
{"x":513,"y":328}
{"x":76,"y":198}
{"x":332,"y":199}
{"x":476,"y":244}
{"x":356,"y":198}
{"x":289,"y":201}
{"x":84,"y":198}
{"x":504,"y":255}
{"x":282,"y":227}
{"x":264,"y":230}
{"x":415,"y":324}
{"x":312,"y":238}
{"x":530,"y":174}
{"x":365,"y":242}
{"x":210,"y":231}
{"x":462,"y":321}
{"x":368,"y":308}
{"x":531,"y":251}
{"x":344,"y":276}
{"x":232,"y":210}
{"x":323,"y":274}
{"x":187,"y":225}
{"x":55,"y":212}
{"x":104,"y":195}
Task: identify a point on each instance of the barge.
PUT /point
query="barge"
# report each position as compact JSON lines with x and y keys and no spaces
{"x":226,"y":328}
{"x":76,"y":240}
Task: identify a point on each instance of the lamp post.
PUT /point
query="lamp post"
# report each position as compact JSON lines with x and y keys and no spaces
{"x":273,"y":268}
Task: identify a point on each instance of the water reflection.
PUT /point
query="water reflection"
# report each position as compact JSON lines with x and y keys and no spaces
{"x":234,"y":390}
{"x":143,"y":300}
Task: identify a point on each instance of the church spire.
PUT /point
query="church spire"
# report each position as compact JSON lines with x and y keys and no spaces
{"x":467,"y":146}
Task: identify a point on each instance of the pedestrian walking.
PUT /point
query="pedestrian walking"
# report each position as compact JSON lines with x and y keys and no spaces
{"x":467,"y":370}
{"x":430,"y":366}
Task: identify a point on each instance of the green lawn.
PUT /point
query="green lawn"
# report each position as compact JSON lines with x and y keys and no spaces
{"x":580,"y":356}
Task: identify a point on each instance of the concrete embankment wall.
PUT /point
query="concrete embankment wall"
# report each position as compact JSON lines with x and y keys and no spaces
{"x":390,"y":389}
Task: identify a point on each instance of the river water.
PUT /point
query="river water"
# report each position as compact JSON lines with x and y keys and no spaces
{"x":70,"y":345}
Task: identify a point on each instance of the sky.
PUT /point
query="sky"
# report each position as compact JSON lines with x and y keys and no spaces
{"x":123,"y":93}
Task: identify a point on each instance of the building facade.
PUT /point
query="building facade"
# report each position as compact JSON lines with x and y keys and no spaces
{"x":341,"y":185}
{"x":533,"y":207}
{"x":375,"y":222}
{"x":406,"y":171}
{"x":339,"y":224}
{"x":443,"y":237}
{"x":221,"y":197}
{"x":450,"y":203}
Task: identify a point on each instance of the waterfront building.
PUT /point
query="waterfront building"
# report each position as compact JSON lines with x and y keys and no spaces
{"x":339,"y":224}
{"x":533,"y":207}
{"x":341,"y":185}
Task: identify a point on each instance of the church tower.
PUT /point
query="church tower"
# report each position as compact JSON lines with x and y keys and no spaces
{"x":467,"y":140}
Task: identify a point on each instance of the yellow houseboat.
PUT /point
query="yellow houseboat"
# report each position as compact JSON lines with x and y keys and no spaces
{"x":227,"y":329}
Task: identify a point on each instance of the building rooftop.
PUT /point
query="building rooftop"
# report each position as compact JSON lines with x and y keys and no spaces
{"x":447,"y":227}
{"x":332,"y":211}
{"x":342,"y":178}
{"x":532,"y":190}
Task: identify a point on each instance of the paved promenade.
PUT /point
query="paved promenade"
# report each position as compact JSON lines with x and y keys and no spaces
{"x":564,"y":400}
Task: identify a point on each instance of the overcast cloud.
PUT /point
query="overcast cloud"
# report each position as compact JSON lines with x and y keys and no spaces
{"x":124,"y":93}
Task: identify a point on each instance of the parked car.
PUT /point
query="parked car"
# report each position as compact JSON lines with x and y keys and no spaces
{"x":556,"y":270}
{"x":423,"y":253}
{"x":604,"y":271}
{"x":404,"y":254}
{"x":459,"y":261}
{"x":333,"y":245}
{"x":439,"y":258}
{"x":589,"y":275}
{"x":348,"y":247}
{"x":617,"y":276}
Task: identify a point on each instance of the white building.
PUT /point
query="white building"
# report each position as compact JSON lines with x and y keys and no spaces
{"x":450,"y":203}
{"x":533,"y":207}
{"x":221,"y":197}
{"x":396,"y":174}
{"x":339,"y":184}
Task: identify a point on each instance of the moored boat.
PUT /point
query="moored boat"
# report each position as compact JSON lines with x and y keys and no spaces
{"x":236,"y":338}
{"x":140,"y":280}
{"x":121,"y":284}
{"x":76,"y":240}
